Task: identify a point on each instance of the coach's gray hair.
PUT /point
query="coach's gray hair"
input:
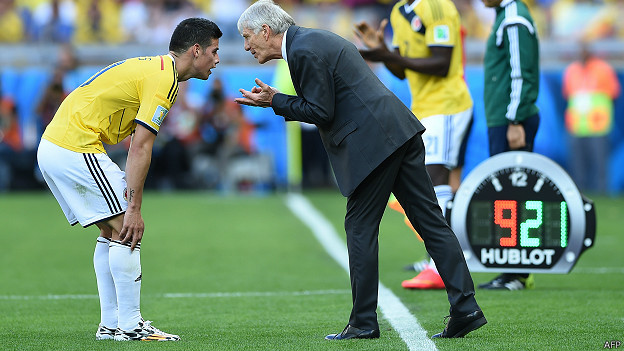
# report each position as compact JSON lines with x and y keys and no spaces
{"x":265,"y":12}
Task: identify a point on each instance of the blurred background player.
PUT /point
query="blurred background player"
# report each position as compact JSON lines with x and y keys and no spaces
{"x":129,"y":97}
{"x":590,"y":85}
{"x":511,"y":87}
{"x":428,"y":51}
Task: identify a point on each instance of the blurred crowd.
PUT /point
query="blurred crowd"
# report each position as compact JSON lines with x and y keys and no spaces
{"x":152,"y":21}
{"x":207,"y":141}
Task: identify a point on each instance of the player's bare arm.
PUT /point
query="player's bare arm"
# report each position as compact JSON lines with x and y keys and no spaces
{"x":377,"y":50}
{"x":371,"y":37}
{"x":137,"y":165}
{"x":437,"y":64}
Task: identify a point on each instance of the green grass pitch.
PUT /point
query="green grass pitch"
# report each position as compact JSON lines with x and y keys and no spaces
{"x":243,"y":273}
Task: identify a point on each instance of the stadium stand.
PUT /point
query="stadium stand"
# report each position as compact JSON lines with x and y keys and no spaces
{"x":26,"y":69}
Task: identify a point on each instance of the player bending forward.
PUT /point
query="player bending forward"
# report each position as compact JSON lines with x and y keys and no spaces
{"x":130,"y":97}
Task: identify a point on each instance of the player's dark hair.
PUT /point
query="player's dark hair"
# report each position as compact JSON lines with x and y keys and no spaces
{"x":193,"y":31}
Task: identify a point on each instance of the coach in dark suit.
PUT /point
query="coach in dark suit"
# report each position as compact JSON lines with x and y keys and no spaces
{"x":375,"y":147}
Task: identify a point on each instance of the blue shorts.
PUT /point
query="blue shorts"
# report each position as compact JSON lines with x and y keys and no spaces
{"x":498,"y":136}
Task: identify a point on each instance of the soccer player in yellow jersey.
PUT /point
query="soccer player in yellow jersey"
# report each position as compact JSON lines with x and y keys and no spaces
{"x":129,"y":97}
{"x":428,"y":52}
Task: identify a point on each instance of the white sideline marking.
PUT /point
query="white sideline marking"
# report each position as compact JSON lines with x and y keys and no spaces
{"x":598,"y":270}
{"x":393,"y":309}
{"x":382,"y":290}
{"x":260,"y":293}
{"x":186,"y":295}
{"x":48,"y":297}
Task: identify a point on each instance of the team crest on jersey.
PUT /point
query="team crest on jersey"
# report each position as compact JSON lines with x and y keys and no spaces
{"x":441,"y":34}
{"x":159,"y":115}
{"x":416,"y":24}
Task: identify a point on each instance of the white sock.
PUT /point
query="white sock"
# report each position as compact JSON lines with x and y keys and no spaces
{"x":444,"y":194}
{"x":105,"y":284}
{"x":432,"y":265}
{"x":125,"y":266}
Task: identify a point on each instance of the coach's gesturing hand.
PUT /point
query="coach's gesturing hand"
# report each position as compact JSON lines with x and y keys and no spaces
{"x":260,"y":95}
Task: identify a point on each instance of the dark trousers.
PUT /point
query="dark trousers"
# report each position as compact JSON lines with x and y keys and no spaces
{"x":588,"y":162}
{"x":405,"y":175}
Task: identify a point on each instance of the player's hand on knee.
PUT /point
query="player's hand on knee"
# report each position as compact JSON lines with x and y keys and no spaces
{"x":133,"y":228}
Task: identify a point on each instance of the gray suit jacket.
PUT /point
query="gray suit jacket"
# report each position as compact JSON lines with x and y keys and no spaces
{"x":360,"y":121}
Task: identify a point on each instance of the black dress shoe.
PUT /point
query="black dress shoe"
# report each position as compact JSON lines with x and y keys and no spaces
{"x":351,"y":332}
{"x":457,"y":327}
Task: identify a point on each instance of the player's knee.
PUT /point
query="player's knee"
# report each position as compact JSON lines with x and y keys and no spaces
{"x":105,"y":231}
{"x":439,"y":174}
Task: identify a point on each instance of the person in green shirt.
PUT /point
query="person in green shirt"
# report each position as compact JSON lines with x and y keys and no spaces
{"x":511,"y":88}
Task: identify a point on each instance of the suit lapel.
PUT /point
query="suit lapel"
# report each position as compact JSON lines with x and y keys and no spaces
{"x":290,"y":34}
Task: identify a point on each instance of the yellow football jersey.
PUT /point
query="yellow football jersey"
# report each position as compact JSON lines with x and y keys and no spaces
{"x":417,"y":27}
{"x":107,"y":107}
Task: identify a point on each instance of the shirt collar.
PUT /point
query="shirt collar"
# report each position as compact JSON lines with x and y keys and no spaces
{"x":409,"y":8}
{"x":284,"y":47}
{"x":504,"y":3}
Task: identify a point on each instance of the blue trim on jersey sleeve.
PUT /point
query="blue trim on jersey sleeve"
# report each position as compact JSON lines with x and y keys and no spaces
{"x":100,"y":72}
{"x":150,"y":128}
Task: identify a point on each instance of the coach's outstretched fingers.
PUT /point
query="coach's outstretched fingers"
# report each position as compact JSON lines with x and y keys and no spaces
{"x":260,"y":95}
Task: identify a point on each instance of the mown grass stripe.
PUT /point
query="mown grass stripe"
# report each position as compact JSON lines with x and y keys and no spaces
{"x":185,"y":295}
